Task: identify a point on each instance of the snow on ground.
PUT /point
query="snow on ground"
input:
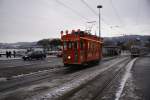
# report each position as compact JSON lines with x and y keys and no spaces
{"x":124,"y":79}
{"x":130,"y":90}
{"x":21,"y":75}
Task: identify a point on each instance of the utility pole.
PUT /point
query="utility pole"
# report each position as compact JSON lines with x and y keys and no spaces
{"x":99,"y":7}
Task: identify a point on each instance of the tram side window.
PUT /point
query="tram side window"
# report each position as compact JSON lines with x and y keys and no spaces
{"x":88,"y":46}
{"x":81,"y":45}
{"x":75,"y":45}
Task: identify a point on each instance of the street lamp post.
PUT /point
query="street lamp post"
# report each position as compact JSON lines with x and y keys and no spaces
{"x":99,"y":6}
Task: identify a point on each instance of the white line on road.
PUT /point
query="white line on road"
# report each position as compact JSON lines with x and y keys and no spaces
{"x":124,"y":79}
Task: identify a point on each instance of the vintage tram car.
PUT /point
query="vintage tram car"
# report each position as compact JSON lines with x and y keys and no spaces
{"x":137,"y":51}
{"x":80,"y":47}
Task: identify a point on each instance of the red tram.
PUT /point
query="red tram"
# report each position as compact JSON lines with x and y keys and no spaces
{"x":79,"y":48}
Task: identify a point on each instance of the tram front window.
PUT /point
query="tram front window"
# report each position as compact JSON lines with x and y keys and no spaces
{"x":65,"y":45}
{"x":70,"y":45}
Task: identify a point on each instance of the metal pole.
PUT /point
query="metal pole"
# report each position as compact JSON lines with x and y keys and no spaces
{"x":99,"y":23}
{"x":99,"y":6}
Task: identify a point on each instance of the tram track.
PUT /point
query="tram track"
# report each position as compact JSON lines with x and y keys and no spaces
{"x":99,"y":83}
{"x":17,"y":82}
{"x":42,"y":76}
{"x":69,"y":88}
{"x":110,"y":82}
{"x":10,"y":71}
{"x":30,"y":75}
{"x":115,"y":88}
{"x":95,"y":90}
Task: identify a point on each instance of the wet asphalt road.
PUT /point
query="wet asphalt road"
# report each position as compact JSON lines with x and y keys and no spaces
{"x":141,"y":76}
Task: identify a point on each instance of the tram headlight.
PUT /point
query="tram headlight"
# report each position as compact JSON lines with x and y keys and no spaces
{"x":69,"y":57}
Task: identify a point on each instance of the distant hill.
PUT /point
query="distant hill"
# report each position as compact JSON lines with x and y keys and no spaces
{"x":109,"y":40}
{"x":18,"y":45}
{"x":126,"y":38}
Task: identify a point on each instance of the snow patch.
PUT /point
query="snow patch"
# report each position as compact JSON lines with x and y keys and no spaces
{"x":125,"y":77}
{"x":21,"y":75}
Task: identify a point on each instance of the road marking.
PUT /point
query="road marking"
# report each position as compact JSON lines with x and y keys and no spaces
{"x":124,"y":79}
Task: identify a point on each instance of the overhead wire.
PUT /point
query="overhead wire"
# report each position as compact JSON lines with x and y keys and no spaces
{"x":74,"y":11}
{"x":88,"y":6}
{"x":77,"y":13}
{"x":138,"y":12}
{"x":116,"y":12}
{"x":117,"y":15}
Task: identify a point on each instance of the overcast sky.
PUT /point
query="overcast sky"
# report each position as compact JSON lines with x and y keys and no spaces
{"x":32,"y":20}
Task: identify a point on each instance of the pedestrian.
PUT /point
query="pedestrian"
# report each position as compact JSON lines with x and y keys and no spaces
{"x":14,"y":53}
{"x":0,"y":54}
{"x":7,"y":54}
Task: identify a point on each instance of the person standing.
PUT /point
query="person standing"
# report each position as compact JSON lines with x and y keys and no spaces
{"x":7,"y":54}
{"x":14,"y":53}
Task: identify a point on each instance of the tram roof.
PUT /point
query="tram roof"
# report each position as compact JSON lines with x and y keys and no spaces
{"x":74,"y":36}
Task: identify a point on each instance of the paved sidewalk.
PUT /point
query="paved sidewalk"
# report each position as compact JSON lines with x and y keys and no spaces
{"x":138,"y":85}
{"x":141,"y":74}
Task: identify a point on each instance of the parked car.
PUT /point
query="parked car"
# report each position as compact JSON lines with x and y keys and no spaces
{"x":34,"y":55}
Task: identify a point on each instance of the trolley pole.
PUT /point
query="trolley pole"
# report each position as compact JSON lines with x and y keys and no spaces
{"x":99,"y":7}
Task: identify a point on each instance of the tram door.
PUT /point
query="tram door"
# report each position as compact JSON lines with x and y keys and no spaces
{"x":76,"y":51}
{"x":71,"y":51}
